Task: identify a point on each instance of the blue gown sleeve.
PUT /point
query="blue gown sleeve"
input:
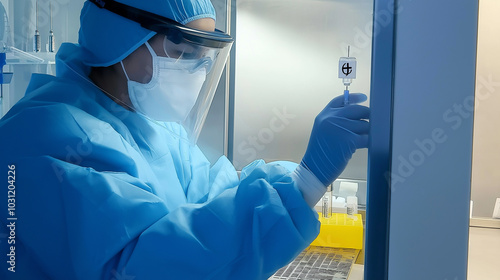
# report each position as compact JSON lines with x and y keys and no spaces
{"x":247,"y":232}
{"x":90,"y":219}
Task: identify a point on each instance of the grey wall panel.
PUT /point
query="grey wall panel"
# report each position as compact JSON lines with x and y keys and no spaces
{"x":435,"y":55}
{"x":486,"y":152}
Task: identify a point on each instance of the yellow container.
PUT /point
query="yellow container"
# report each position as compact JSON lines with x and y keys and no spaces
{"x":340,"y":231}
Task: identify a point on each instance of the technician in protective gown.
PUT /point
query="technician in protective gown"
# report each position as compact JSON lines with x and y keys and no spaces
{"x":108,"y":181}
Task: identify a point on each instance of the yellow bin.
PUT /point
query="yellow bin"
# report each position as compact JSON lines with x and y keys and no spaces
{"x":340,"y":231}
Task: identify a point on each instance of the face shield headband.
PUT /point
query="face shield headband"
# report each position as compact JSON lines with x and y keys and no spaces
{"x":174,"y":31}
{"x":208,"y":46}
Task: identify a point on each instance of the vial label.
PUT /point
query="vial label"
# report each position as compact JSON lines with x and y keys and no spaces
{"x":347,"y":68}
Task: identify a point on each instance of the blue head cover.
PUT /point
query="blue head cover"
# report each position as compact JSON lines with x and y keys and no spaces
{"x":108,"y":38}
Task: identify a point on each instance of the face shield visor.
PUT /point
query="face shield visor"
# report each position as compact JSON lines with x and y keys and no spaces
{"x":193,"y":64}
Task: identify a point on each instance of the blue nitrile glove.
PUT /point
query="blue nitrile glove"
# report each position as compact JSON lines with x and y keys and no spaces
{"x":337,"y":132}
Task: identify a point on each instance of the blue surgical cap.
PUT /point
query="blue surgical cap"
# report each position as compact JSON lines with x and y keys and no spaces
{"x":108,"y":38}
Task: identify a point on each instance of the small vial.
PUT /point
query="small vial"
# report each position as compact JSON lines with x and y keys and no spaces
{"x":37,"y":42}
{"x":352,"y":206}
{"x":326,"y":205}
{"x":52,"y":42}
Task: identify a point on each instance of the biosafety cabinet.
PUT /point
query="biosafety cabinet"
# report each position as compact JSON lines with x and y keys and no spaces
{"x":416,"y":60}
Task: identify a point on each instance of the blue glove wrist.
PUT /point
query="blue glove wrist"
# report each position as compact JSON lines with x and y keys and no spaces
{"x":312,"y":189}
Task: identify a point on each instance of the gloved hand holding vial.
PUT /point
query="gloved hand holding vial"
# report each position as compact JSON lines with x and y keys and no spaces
{"x":339,"y":130}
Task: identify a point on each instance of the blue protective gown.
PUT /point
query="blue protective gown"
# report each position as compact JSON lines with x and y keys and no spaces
{"x":103,"y":193}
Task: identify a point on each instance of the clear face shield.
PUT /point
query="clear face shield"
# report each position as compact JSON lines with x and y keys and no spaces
{"x":191,"y":69}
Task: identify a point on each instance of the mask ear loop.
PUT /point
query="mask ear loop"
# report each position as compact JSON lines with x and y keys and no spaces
{"x":124,"y":71}
{"x":151,"y":51}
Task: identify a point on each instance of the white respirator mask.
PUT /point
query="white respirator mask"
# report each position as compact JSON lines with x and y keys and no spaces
{"x":172,"y":91}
